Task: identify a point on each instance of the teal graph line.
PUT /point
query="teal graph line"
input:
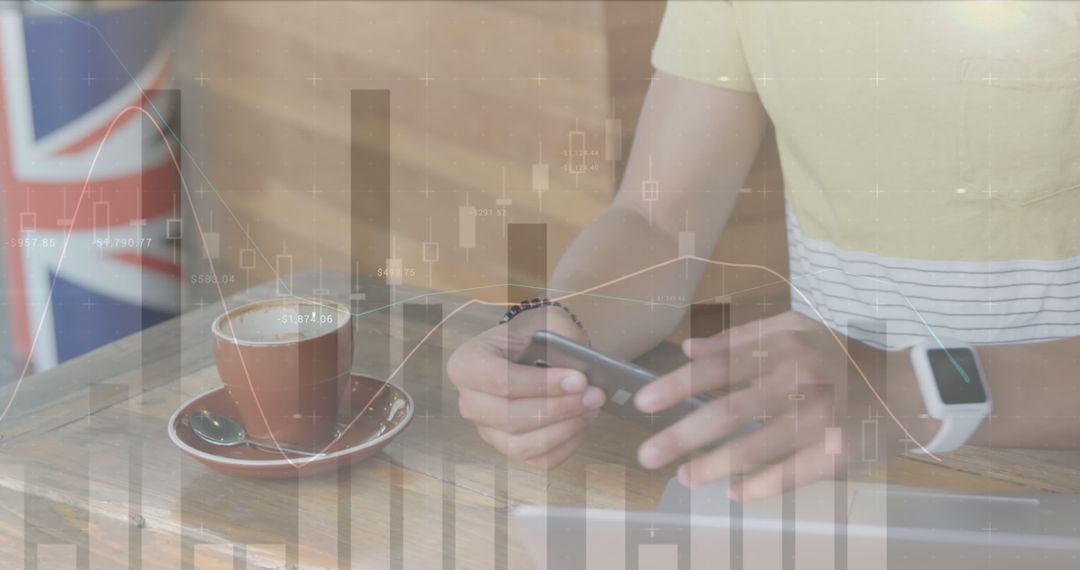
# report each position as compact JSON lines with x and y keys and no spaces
{"x":280,"y":282}
{"x":929,"y":329}
{"x":584,"y":292}
{"x":162,"y":121}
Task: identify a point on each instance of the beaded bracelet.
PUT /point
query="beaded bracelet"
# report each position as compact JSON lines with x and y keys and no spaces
{"x":536,"y":304}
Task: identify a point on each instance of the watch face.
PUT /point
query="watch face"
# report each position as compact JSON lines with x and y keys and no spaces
{"x":956,"y":375}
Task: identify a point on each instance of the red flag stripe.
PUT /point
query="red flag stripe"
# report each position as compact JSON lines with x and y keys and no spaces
{"x":136,"y":258}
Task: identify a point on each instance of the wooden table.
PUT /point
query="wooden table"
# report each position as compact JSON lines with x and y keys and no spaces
{"x":89,"y":478}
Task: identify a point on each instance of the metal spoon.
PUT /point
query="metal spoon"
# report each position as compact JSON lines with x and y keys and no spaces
{"x":220,"y":430}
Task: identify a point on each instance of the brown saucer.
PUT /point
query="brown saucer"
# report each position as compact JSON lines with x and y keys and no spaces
{"x":386,"y":417}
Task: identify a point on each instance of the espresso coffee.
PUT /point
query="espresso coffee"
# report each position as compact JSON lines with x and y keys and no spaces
{"x":281,"y":321}
{"x":284,"y":362}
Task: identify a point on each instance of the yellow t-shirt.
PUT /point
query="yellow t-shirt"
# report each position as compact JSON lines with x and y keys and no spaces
{"x":931,"y":155}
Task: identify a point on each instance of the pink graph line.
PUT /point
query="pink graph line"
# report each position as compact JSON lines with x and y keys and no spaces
{"x":836,"y":337}
{"x":60,"y":261}
{"x":71,"y":228}
{"x":812,"y":305}
{"x":424,"y":339}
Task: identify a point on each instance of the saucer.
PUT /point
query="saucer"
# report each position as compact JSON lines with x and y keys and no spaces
{"x":385,"y":418}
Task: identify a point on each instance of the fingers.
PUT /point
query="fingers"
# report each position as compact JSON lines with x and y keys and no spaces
{"x":526,"y":414}
{"x":524,"y":411}
{"x":713,"y":421}
{"x":481,"y":368}
{"x":534,"y":443}
{"x":726,"y":359}
{"x":805,"y":466}
{"x":769,"y":444}
{"x":702,"y":347}
{"x":694,"y":377}
{"x":716,"y":420}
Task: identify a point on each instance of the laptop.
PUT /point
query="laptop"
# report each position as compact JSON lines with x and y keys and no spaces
{"x":825,"y":525}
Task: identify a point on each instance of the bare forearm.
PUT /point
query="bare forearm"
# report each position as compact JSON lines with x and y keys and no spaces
{"x":1036,"y":395}
{"x":694,"y":143}
{"x":1034,"y":389}
{"x":631,"y":313}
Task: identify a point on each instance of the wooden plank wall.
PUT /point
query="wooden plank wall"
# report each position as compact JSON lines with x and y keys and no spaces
{"x":480,"y":92}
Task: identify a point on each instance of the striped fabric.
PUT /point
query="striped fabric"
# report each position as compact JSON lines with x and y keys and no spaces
{"x":889,"y":301}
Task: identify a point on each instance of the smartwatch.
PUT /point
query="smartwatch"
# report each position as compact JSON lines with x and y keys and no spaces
{"x":954,"y":390}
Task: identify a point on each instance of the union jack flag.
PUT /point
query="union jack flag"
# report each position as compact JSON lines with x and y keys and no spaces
{"x":89,"y":241}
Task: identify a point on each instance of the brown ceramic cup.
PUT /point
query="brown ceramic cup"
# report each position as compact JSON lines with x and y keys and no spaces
{"x":285,"y":362}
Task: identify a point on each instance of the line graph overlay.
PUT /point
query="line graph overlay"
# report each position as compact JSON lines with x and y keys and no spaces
{"x":397,"y":370}
{"x":423,"y":340}
{"x":183,"y":148}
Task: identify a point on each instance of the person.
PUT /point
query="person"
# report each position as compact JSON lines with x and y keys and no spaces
{"x":931,"y":158}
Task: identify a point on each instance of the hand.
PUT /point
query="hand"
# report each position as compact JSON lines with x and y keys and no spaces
{"x":538,"y":415}
{"x":794,"y":375}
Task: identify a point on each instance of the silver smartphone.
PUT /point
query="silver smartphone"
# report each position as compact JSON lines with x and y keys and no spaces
{"x":619,"y":379}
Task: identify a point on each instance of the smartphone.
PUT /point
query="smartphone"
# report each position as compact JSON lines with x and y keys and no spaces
{"x":619,"y":379}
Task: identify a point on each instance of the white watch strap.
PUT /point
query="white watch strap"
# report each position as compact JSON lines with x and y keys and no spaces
{"x":955,"y":431}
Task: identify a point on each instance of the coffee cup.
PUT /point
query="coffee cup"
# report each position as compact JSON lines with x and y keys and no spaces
{"x":285,"y":363}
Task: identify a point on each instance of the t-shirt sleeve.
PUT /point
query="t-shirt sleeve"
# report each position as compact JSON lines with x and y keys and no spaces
{"x":699,"y":40}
